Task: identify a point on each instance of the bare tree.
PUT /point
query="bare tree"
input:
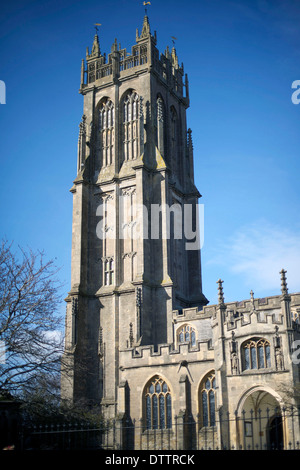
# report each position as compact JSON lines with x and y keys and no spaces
{"x":30,"y":322}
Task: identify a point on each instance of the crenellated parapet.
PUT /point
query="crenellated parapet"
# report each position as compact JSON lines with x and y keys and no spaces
{"x":99,"y":69}
{"x":166,"y":354}
{"x":253,"y":312}
{"x":246,"y":317}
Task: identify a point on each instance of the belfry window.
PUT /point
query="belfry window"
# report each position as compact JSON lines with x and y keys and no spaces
{"x":131,"y":126}
{"x":158,"y":404}
{"x":207,"y":400}
{"x":186,"y":334}
{"x":106,"y":129}
{"x":256,"y":354}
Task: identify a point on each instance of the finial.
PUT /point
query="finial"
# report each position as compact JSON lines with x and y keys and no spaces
{"x":95,"y":48}
{"x":114,"y":46}
{"x":174,"y":58}
{"x":145,"y":5}
{"x":284,"y":288}
{"x":145,"y":29}
{"x":96,"y":27}
{"x":220,"y":289}
{"x":252,"y":294}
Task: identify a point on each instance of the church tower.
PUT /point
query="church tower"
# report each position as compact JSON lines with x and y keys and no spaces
{"x":135,"y":234}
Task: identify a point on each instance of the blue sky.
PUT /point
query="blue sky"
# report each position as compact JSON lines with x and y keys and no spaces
{"x":241,"y":58}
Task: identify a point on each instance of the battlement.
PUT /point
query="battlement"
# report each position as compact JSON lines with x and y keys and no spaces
{"x":266,"y":310}
{"x":190,"y":313}
{"x":165,"y":354}
{"x":144,"y":56}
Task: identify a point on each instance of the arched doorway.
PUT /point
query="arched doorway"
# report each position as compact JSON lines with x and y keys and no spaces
{"x":259,"y":420}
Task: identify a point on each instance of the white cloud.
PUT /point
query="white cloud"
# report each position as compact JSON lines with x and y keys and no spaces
{"x":257,"y":252}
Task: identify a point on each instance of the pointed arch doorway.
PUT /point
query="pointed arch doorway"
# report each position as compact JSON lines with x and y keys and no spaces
{"x":259,"y":420}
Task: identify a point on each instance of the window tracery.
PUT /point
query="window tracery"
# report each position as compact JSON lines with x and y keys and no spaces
{"x":106,"y":129}
{"x":158,"y":404}
{"x":186,"y":334}
{"x":256,"y":354}
{"x":131,"y":126}
{"x":208,"y":400}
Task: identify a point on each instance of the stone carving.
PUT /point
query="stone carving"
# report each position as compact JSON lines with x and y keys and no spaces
{"x":278,"y":350}
{"x":234,"y":356}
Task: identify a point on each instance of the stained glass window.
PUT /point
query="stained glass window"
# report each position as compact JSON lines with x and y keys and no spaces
{"x":204,"y":409}
{"x":162,"y":411}
{"x":256,"y":354}
{"x":154,"y":412}
{"x":211,"y":395}
{"x":148,"y":411}
{"x":261,"y":358}
{"x":247,"y":358}
{"x":268,"y":357}
{"x":158,"y":404}
{"x":169,"y":410}
{"x":253,"y":357}
{"x":208,"y":405}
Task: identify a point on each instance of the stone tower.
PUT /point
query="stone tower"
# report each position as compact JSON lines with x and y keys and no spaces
{"x":135,"y":234}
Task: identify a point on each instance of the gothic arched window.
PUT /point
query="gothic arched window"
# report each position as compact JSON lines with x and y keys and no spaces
{"x":256,"y":354}
{"x":186,"y":334}
{"x":131,"y":126}
{"x":207,"y":399}
{"x":158,"y":404}
{"x":106,"y":129}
